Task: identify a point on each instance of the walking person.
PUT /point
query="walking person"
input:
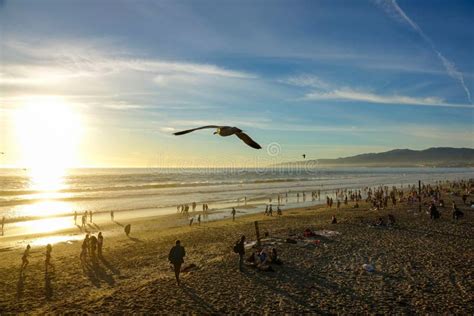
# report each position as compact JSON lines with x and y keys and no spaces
{"x":90,"y":216}
{"x":24,"y":258}
{"x":199,"y":219}
{"x":127,"y":229}
{"x":176,"y":257}
{"x":75,"y":217}
{"x":47,"y":263}
{"x":100,"y":243}
{"x":112,"y":216}
{"x":233,"y":214}
{"x":84,"y":248}
{"x":240,"y":249}
{"x":279,"y":212}
{"x":92,"y":247}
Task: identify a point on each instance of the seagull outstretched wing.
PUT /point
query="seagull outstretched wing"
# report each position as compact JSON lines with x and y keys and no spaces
{"x":249,"y":141}
{"x":195,"y":129}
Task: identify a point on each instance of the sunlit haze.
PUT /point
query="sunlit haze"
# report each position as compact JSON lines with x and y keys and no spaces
{"x":329,"y":79}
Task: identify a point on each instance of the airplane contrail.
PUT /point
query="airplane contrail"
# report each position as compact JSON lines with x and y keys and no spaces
{"x":392,"y":7}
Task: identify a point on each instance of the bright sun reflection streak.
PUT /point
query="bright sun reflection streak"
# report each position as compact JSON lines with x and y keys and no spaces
{"x":45,"y":208}
{"x":47,"y":225}
{"x":48,"y":131}
{"x":54,"y":240}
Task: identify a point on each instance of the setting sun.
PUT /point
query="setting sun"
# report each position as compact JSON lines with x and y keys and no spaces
{"x":48,"y":131}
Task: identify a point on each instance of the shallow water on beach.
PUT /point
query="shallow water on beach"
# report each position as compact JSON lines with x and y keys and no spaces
{"x":41,"y":205}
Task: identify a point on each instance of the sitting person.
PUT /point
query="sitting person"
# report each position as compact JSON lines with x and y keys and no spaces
{"x":263,"y":261}
{"x":391,"y":220}
{"x":457,"y":213}
{"x":434,"y":213}
{"x":308,"y":233}
{"x":333,"y":220}
{"x":380,"y":222}
{"x":274,"y":257}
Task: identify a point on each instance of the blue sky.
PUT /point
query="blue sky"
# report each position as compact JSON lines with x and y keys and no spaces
{"x":325,"y":78}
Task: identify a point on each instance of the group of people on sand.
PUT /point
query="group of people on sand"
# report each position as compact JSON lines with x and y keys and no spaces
{"x":92,"y":247}
{"x":434,"y":212}
{"x":261,"y":258}
{"x":83,"y":218}
{"x":269,"y":210}
{"x":26,"y":254}
{"x":183,"y":209}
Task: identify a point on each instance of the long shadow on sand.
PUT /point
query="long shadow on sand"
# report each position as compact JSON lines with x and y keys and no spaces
{"x":292,"y":275}
{"x":20,"y":286}
{"x":48,"y":287}
{"x":96,"y":273}
{"x":267,"y":281}
{"x":205,"y":307}
{"x":109,"y":266}
{"x":434,"y":232}
{"x":119,"y":223}
{"x":134,"y":239}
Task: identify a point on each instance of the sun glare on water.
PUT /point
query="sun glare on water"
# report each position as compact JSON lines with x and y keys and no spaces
{"x":48,"y":132}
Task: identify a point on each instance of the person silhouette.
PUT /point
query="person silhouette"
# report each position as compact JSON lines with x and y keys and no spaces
{"x":85,"y":248}
{"x":176,"y":257}
{"x":93,"y":247}
{"x":75,"y":217}
{"x":47,"y":262}
{"x":3,"y":225}
{"x":127,"y":229}
{"x":112,"y":216}
{"x":239,"y":248}
{"x":24,"y":258}
{"x":100,"y":243}
{"x":233,"y":214}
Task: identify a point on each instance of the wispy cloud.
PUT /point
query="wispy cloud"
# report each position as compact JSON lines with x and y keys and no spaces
{"x":306,"y":80}
{"x":61,"y":62}
{"x":323,"y":90}
{"x":346,"y":94}
{"x":392,"y":8}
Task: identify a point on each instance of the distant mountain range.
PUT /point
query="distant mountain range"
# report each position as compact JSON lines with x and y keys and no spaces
{"x":431,"y":157}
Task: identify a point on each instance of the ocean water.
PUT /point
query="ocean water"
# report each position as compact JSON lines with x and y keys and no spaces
{"x":25,"y":196}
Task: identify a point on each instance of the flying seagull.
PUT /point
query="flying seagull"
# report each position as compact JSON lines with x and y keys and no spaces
{"x":226,"y":131}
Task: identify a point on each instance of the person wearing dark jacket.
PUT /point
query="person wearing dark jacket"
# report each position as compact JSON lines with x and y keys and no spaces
{"x":240,"y":249}
{"x":176,"y":255}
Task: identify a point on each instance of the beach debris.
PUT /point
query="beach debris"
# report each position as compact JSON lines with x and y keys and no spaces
{"x":368,"y":267}
{"x":327,"y":233}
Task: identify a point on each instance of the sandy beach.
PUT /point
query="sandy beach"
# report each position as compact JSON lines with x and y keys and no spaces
{"x":421,"y":266}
